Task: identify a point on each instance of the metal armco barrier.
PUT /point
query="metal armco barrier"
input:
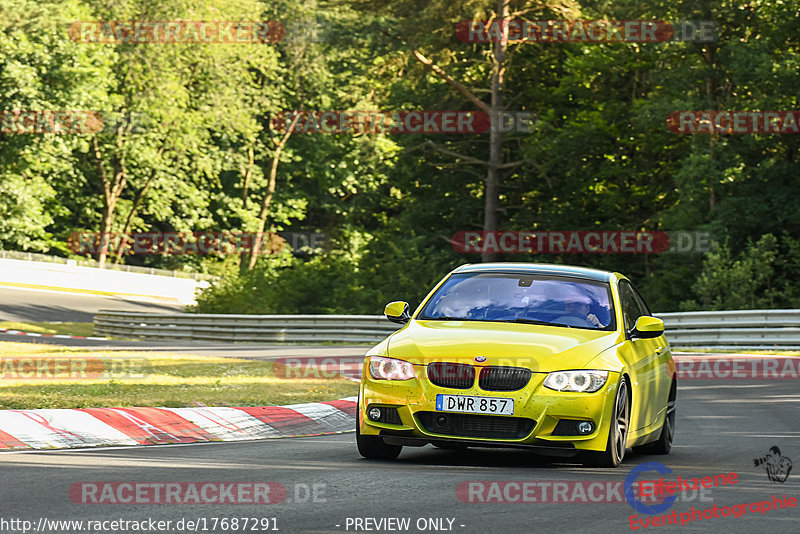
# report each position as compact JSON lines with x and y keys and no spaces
{"x":753,"y":329}
{"x":253,"y":328}
{"x":776,"y":329}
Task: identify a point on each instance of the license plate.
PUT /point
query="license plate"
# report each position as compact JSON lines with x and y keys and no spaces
{"x":466,"y":404}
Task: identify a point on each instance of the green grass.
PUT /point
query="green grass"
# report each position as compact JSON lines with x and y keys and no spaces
{"x":87,"y":329}
{"x":170,"y":380}
{"x":69,"y":329}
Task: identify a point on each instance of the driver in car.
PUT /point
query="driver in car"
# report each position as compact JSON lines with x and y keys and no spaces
{"x":580,"y":308}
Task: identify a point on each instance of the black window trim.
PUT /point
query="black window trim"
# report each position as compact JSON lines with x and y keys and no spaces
{"x":639,"y":300}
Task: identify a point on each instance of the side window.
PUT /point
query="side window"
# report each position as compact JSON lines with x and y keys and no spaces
{"x":645,"y":309}
{"x":630,"y":306}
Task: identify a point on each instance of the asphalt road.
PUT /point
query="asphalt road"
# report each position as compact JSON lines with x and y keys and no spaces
{"x":34,"y":305}
{"x":722,"y":426}
{"x":254,"y":351}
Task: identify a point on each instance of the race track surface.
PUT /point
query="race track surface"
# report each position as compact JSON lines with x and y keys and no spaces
{"x":722,"y":427}
{"x":33,"y":305}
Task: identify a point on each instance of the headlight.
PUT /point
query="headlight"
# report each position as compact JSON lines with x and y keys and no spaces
{"x":577,"y":381}
{"x":390,"y":369}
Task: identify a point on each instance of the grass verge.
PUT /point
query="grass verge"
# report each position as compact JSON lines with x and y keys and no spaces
{"x":170,"y":380}
{"x":68,"y":329}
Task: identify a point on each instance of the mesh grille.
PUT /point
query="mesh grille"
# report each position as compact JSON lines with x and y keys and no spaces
{"x":389,"y":416}
{"x":451,"y":375}
{"x":475,"y":426}
{"x":566,"y":427}
{"x":495,"y":378}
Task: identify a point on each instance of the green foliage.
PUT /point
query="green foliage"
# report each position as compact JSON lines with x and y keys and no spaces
{"x":760,"y":276}
{"x":374,"y":271}
{"x":25,"y":216}
{"x":599,"y":155}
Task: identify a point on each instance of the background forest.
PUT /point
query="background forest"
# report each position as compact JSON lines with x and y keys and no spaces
{"x":598,"y":156}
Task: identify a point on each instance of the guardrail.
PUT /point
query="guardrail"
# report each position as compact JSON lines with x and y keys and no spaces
{"x":254,"y":328}
{"x":764,"y":329}
{"x":33,"y":256}
{"x":753,"y":329}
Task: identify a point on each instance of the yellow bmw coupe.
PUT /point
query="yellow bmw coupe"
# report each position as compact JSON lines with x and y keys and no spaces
{"x":565,"y":361}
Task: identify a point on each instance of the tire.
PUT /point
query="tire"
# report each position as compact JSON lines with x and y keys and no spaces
{"x":617,"y":432}
{"x":373,"y":447}
{"x":664,"y":443}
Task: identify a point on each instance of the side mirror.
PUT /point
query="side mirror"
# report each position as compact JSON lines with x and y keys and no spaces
{"x":397,"y":312}
{"x":648,"y":327}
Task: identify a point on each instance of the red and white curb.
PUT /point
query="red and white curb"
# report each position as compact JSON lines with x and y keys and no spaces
{"x":98,"y":427}
{"x":57,"y":336}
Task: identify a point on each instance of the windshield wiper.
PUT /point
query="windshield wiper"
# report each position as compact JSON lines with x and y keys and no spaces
{"x":534,"y":321}
{"x":445,"y":318}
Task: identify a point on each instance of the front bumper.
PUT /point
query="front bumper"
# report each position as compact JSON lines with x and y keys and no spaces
{"x":537,"y":412}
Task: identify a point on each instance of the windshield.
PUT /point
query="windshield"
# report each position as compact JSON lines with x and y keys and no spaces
{"x":523,"y":298}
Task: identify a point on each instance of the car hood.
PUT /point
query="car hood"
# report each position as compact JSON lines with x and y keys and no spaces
{"x":539,"y":348}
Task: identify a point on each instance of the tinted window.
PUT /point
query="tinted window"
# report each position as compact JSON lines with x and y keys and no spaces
{"x":642,"y":304}
{"x":632,"y":306}
{"x":510,"y":297}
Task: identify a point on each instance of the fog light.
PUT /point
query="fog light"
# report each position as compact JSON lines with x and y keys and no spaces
{"x":585,"y":427}
{"x":374,"y":413}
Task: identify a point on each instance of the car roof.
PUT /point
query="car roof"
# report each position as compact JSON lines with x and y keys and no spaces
{"x":538,"y":268}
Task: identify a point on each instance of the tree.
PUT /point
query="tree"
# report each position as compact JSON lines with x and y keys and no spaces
{"x":431,"y":25}
{"x":193,"y":95}
{"x":41,"y":69}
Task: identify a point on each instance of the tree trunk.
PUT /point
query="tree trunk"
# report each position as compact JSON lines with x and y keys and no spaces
{"x":123,"y":238}
{"x":267,"y":200}
{"x":712,"y":97}
{"x":248,"y":176}
{"x":493,"y":178}
{"x":129,"y":220}
{"x":105,"y":235}
{"x":111,"y":193}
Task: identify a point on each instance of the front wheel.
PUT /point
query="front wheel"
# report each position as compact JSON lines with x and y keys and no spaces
{"x":373,"y":447}
{"x":664,"y":443}
{"x":617,"y":433}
